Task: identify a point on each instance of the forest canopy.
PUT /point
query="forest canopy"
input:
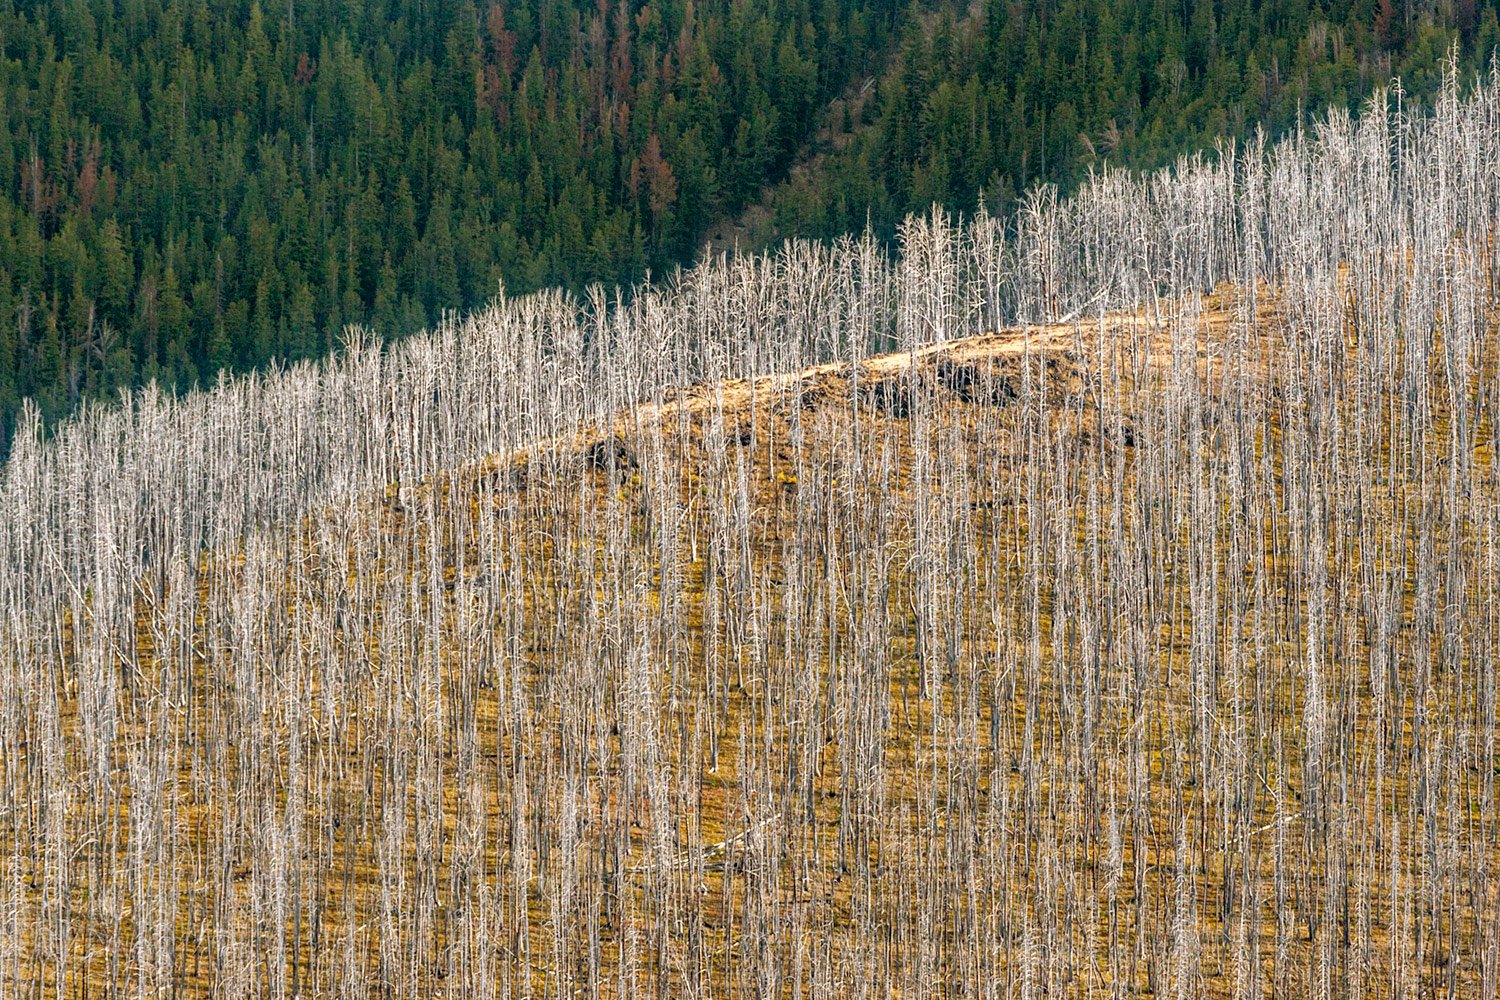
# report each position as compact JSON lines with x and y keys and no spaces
{"x":188,"y":187}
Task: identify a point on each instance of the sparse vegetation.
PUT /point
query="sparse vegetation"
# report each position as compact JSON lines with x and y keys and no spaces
{"x":783,"y":631}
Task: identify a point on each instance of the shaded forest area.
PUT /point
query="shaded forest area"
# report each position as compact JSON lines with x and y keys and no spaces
{"x":189,"y":187}
{"x":979,"y":109}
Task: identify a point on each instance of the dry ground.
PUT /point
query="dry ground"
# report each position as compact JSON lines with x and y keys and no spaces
{"x":768,"y":677}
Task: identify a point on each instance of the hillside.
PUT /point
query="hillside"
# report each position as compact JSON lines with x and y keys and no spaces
{"x":1102,"y":602}
{"x":881,"y":671}
{"x":190,"y":187}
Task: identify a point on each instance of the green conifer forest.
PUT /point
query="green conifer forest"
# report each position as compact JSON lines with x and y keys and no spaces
{"x":188,"y":187}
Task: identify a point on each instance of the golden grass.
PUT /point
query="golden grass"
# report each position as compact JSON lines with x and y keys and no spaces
{"x":978,"y":789}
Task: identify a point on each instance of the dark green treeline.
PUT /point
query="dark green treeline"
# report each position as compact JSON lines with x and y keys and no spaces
{"x":188,"y":186}
{"x":982,"y":108}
